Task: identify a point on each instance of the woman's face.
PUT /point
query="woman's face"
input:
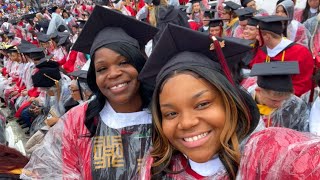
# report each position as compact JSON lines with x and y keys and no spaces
{"x":225,"y":15}
{"x":115,"y":77}
{"x":74,"y":90}
{"x":193,"y":116}
{"x":196,"y":7}
{"x":314,"y":3}
{"x":215,"y":31}
{"x":65,"y":15}
{"x":250,"y":32}
{"x":252,"y":5}
{"x":281,"y":12}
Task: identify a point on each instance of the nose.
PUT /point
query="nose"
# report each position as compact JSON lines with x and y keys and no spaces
{"x":114,"y":72}
{"x":187,"y":121}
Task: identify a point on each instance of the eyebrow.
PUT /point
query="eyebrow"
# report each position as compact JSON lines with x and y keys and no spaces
{"x":199,"y":94}
{"x":193,"y":97}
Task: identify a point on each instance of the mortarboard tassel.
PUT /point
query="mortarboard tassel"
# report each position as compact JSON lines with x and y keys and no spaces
{"x":222,"y":59}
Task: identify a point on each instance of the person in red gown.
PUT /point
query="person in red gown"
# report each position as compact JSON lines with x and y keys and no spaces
{"x":278,"y":48}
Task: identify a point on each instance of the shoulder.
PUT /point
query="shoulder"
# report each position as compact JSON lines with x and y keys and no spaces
{"x":75,"y":117}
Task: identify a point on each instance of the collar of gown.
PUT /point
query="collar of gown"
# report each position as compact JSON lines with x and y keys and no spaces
{"x":276,"y":50}
{"x":120,"y":120}
{"x":208,"y":168}
{"x":313,"y":11}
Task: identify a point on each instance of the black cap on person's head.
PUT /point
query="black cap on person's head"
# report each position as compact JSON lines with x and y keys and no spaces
{"x":253,"y":22}
{"x":173,"y":46}
{"x":215,"y":22}
{"x":46,"y":77}
{"x":80,"y":75}
{"x":209,"y":13}
{"x":175,"y":52}
{"x":194,"y":1}
{"x":106,"y":26}
{"x":244,"y":13}
{"x":47,"y":62}
{"x":245,"y":2}
{"x":275,"y":76}
{"x":43,"y":38}
{"x":231,"y":6}
{"x":271,"y":23}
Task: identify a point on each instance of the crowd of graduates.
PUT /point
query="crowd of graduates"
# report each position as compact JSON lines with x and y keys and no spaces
{"x":159,"y":89}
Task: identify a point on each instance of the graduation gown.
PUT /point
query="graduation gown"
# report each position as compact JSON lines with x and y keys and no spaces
{"x":294,"y":52}
{"x":115,"y":152}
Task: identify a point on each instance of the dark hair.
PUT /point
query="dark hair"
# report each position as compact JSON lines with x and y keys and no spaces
{"x":305,"y":13}
{"x":239,"y":106}
{"x":11,"y":159}
{"x":136,"y":59}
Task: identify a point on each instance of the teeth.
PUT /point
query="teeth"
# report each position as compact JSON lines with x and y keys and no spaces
{"x":119,"y":86}
{"x":195,"y":138}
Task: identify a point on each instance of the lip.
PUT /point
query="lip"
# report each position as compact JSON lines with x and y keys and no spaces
{"x":197,"y":143}
{"x":120,"y":89}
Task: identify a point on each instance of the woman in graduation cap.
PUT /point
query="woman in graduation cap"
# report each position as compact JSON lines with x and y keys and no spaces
{"x":107,"y":137}
{"x":202,"y":119}
{"x":231,"y":18}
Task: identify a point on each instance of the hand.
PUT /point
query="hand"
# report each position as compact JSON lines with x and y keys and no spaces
{"x":24,"y":93}
{"x":51,"y":121}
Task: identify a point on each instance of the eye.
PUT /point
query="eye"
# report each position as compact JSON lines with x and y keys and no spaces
{"x":170,"y":115}
{"x":124,"y":62}
{"x":203,"y":105}
{"x":101,"y":69}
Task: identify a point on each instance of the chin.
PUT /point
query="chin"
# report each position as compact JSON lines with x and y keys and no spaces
{"x":200,"y":159}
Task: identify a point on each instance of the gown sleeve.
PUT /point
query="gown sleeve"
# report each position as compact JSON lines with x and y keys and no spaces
{"x":59,"y":156}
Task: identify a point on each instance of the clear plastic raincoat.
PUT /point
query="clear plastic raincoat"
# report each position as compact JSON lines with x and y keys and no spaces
{"x":115,"y":152}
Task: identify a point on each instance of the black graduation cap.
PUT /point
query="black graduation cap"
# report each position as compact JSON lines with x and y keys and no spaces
{"x":11,"y":48}
{"x":215,"y":22}
{"x":244,"y":13}
{"x":245,"y":2}
{"x":46,"y":77}
{"x":275,"y":75}
{"x":209,"y":13}
{"x":43,"y":37}
{"x":213,"y":5}
{"x":80,"y":75}
{"x":29,"y":16}
{"x":31,"y":50}
{"x":106,"y":26}
{"x":231,"y":6}
{"x":194,"y":1}
{"x":271,"y":23}
{"x":46,"y":62}
{"x":252,"y":22}
{"x":173,"y":42}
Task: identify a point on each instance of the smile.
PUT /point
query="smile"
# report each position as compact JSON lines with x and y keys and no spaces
{"x":119,"y":86}
{"x":195,"y":138}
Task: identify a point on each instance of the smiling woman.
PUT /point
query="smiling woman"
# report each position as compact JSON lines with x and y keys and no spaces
{"x":200,"y":118}
{"x":106,"y":137}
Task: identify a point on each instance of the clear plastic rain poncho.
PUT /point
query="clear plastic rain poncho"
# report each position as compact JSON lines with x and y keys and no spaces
{"x":313,"y":26}
{"x":293,"y":114}
{"x":115,"y":152}
{"x":296,"y":31}
{"x":53,"y":107}
{"x":273,"y":153}
{"x":281,"y":153}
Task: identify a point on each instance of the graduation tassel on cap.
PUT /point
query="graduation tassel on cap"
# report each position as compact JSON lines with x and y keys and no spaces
{"x":221,"y":58}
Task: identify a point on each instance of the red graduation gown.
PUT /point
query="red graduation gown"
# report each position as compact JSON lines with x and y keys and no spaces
{"x":294,"y":52}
